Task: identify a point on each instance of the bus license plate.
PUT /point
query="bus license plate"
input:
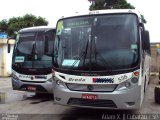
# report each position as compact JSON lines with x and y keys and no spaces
{"x":31,"y":88}
{"x":89,"y":96}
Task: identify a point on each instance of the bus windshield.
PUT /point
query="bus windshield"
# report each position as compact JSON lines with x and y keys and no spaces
{"x":30,"y":50}
{"x":97,"y":42}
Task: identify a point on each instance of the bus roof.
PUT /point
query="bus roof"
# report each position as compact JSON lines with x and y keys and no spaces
{"x":107,"y":11}
{"x":36,"y":29}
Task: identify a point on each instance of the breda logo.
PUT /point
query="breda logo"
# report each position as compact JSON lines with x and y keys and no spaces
{"x":77,"y":80}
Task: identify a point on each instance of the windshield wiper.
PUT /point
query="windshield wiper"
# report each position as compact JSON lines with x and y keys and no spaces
{"x":33,"y":53}
{"x":84,"y":53}
{"x":95,"y":50}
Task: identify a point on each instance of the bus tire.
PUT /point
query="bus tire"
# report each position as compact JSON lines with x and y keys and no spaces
{"x":149,"y":77}
{"x":157,"y":94}
{"x":145,"y":85}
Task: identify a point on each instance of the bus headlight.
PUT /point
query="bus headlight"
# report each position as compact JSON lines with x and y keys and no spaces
{"x":60,"y":83}
{"x":133,"y":82}
{"x":14,"y":76}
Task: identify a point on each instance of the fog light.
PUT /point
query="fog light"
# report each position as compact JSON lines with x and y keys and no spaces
{"x":127,"y":84}
{"x":130,"y":103}
{"x":134,"y":80}
{"x":58,"y":99}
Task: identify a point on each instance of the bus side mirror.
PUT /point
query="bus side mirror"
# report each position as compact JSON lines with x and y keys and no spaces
{"x":145,"y":39}
{"x":147,"y":42}
{"x":10,"y":41}
{"x":9,"y":48}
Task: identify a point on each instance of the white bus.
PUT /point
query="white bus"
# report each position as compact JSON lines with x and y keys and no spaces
{"x":32,"y":59}
{"x":101,"y":60}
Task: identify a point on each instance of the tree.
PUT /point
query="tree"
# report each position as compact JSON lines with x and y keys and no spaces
{"x":143,"y":19}
{"x":3,"y":26}
{"x":16,"y":23}
{"x":40,"y":21}
{"x":112,"y":4}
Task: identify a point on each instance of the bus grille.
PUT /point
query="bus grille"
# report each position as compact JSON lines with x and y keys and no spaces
{"x":92,"y":103}
{"x":95,"y":88}
{"x":33,"y":81}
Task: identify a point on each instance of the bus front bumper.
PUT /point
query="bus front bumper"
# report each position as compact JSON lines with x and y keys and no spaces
{"x":45,"y":87}
{"x":124,"y":99}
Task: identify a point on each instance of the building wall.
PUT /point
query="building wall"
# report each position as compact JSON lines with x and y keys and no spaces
{"x":155,"y":62}
{"x":1,"y":60}
{"x":6,"y":58}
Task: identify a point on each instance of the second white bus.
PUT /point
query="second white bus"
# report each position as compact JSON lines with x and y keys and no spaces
{"x":32,"y":59}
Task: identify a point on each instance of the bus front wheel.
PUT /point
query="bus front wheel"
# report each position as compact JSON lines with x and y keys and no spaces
{"x":157,"y":94}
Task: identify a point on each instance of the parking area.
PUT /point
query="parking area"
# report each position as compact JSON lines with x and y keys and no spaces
{"x":28,"y":105}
